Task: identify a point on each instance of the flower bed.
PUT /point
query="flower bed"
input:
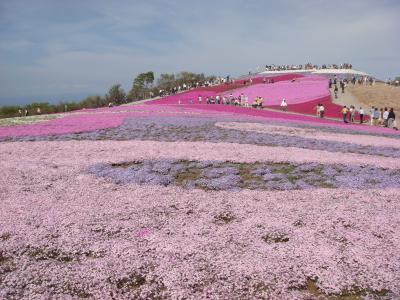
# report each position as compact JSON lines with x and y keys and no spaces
{"x":67,"y":233}
{"x":196,"y":201}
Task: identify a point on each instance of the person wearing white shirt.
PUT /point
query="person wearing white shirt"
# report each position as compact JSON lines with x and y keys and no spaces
{"x":361,"y":113}
{"x":283,"y":104}
{"x":371,"y":114}
{"x":385,"y":117}
{"x":321,"y":111}
{"x":246,"y":101}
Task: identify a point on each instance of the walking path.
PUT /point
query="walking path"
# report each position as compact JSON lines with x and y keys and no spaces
{"x":346,"y":99}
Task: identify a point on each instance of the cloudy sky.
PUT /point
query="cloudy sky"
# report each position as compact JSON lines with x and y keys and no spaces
{"x":53,"y":50}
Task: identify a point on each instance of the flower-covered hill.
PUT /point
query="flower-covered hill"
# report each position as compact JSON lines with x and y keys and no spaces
{"x":302,"y":93}
{"x":197,"y":201}
{"x":301,"y":90}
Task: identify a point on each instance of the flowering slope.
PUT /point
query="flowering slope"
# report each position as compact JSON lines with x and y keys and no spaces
{"x":364,"y":140}
{"x":302,"y":90}
{"x":192,"y":127}
{"x":69,"y":234}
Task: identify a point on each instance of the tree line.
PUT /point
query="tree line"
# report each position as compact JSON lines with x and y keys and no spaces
{"x":143,"y":87}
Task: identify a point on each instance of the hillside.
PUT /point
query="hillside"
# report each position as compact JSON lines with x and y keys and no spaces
{"x":377,"y":95}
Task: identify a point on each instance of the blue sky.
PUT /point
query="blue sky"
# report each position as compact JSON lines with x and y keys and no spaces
{"x":53,"y":50}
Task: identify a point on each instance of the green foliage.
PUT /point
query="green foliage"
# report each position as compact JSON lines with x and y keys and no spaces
{"x":93,"y":102}
{"x":116,"y":95}
{"x":8,"y":111}
{"x":166,"y":81}
{"x":142,"y":88}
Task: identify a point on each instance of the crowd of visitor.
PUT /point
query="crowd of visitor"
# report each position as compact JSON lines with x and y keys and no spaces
{"x":189,"y":86}
{"x":343,"y":83}
{"x":307,"y":66}
{"x":333,"y":83}
{"x":390,"y":82}
{"x":241,"y":100}
{"x":384,"y":117}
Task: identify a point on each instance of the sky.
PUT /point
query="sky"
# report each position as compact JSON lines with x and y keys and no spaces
{"x":52,"y":50}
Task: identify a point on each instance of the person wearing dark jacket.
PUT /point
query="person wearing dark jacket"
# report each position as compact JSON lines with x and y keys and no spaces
{"x":391,"y":119}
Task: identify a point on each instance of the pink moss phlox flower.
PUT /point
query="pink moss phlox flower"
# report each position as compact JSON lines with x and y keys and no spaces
{"x":364,"y":140}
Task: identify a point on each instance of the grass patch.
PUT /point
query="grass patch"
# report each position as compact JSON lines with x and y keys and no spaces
{"x":187,"y":175}
{"x":28,"y":120}
{"x":246,"y":175}
{"x":282,"y":168}
{"x":127,"y":164}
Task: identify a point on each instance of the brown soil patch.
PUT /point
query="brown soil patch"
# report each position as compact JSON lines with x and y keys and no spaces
{"x":377,"y":95}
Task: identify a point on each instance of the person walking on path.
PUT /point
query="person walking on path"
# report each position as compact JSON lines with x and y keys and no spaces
{"x":391,"y":119}
{"x":318,"y":110}
{"x":321,"y":111}
{"x":385,"y":117}
{"x":361,"y":113}
{"x":342,"y":86}
{"x":375,"y":118}
{"x":371,"y":115}
{"x":344,"y":112}
{"x":283,"y":104}
{"x":351,"y":114}
{"x":380,"y":120}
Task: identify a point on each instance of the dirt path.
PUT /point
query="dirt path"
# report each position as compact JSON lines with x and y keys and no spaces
{"x":347,"y":99}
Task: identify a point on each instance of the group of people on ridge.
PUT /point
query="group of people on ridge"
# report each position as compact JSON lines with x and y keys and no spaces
{"x":307,"y":66}
{"x":378,"y":117}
